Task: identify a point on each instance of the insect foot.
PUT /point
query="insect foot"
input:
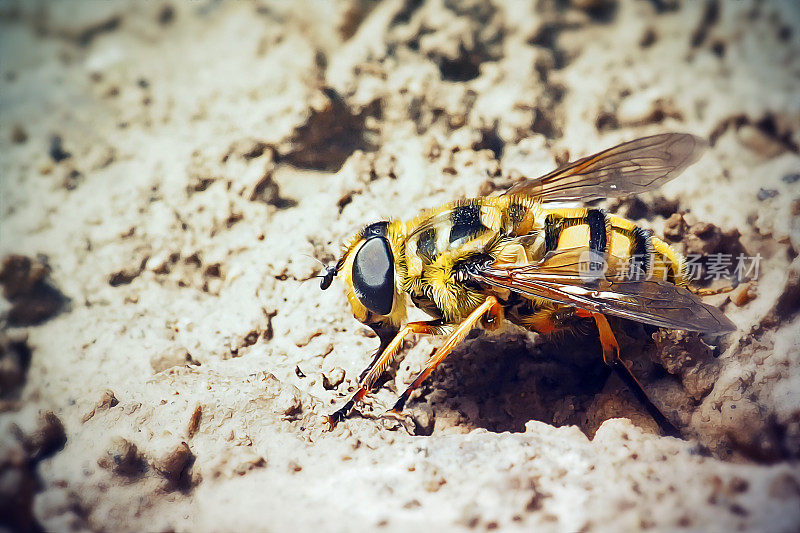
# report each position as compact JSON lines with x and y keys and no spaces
{"x":330,"y":421}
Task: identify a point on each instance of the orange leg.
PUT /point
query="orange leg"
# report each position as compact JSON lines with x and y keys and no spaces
{"x":607,"y":340}
{"x":611,"y":358}
{"x":378,"y":365}
{"x":491,"y":312}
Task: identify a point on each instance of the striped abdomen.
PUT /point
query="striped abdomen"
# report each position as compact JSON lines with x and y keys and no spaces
{"x":644,"y":253}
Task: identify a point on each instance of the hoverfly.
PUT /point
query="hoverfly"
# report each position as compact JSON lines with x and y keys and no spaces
{"x":523,"y":257}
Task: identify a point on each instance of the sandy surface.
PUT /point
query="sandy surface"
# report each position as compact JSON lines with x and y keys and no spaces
{"x":167,"y":170}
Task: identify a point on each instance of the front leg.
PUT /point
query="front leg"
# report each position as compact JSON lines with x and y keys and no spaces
{"x":490,"y":310}
{"x":382,"y":358}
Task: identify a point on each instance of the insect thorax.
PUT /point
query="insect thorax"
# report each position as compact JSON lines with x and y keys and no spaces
{"x":440,"y":242}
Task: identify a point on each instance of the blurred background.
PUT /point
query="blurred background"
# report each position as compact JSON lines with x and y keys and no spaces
{"x":169,"y":171}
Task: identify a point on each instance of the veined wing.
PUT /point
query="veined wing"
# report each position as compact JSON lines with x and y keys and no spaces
{"x":628,"y":168}
{"x":571,"y":277}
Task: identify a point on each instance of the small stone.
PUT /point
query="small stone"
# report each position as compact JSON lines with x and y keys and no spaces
{"x":424,"y":419}
{"x":20,"y":274}
{"x":251,"y":463}
{"x":48,"y":438}
{"x":123,"y":458}
{"x":765,"y":194}
{"x":107,"y":401}
{"x":674,"y":228}
{"x":704,"y":239}
{"x":56,"y":151}
{"x":684,"y":354}
{"x":784,"y":486}
{"x":15,"y":356}
{"x":412,"y":504}
{"x":536,"y":501}
{"x":664,"y":207}
{"x":176,"y":356}
{"x":127,"y":274}
{"x":743,"y":294}
{"x":71,"y":178}
{"x":288,"y":403}
{"x":333,"y":379}
{"x":12,"y":373}
{"x":759,"y":142}
{"x":174,"y":463}
{"x":636,"y":209}
{"x":648,"y":37}
{"x":213,"y":286}
{"x":160,"y":263}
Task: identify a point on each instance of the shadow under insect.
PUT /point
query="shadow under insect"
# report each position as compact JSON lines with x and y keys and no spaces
{"x":500,"y":382}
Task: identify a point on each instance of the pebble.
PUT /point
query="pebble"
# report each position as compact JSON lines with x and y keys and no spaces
{"x":743,"y":294}
{"x":333,"y":379}
{"x":123,"y":458}
{"x":56,"y":151}
{"x":251,"y":462}
{"x":791,"y":178}
{"x":174,"y":462}
{"x":107,"y":401}
{"x":424,"y":419}
{"x":756,"y":140}
{"x":764,"y":194}
{"x":48,"y":438}
{"x":171,"y":357}
{"x":675,"y":227}
{"x":288,"y":402}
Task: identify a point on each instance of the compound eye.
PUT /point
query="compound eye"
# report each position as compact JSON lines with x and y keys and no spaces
{"x":373,"y":275}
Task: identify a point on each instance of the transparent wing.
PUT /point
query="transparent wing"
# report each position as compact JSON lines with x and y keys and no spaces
{"x":628,"y":168}
{"x":573,"y":277}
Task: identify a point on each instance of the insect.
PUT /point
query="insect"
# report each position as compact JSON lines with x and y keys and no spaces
{"x":525,"y":258}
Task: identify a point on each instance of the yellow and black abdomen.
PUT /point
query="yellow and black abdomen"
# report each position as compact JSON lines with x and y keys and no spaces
{"x":612,"y":236}
{"x":618,"y":237}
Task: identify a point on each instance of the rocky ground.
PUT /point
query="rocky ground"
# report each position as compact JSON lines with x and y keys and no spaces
{"x":169,"y":172}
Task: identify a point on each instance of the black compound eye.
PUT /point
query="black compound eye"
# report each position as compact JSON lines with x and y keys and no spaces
{"x":373,"y":275}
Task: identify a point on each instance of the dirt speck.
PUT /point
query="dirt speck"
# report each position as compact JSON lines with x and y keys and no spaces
{"x":32,"y":296}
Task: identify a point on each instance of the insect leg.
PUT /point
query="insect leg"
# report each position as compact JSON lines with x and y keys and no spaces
{"x":611,"y":358}
{"x":490,"y":307}
{"x":378,"y":365}
{"x":607,"y":340}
